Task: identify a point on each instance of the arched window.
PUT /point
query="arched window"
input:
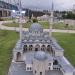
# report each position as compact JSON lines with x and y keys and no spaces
{"x":49,"y":68}
{"x":40,"y":73}
{"x":30,"y":47}
{"x":35,"y":71}
{"x":48,"y":48}
{"x":25,"y":48}
{"x":43,"y":47}
{"x":37,"y":47}
{"x":18,"y":56}
{"x":55,"y":62}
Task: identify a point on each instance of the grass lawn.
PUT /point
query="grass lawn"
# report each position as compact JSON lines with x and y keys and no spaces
{"x":63,"y":26}
{"x":67,"y":41}
{"x":7,"y":43}
{"x":26,"y":25}
{"x":44,"y":25}
{"x":7,"y":19}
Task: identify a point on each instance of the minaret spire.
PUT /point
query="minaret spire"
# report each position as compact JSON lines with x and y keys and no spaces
{"x":51,"y":19}
{"x":20,"y":18}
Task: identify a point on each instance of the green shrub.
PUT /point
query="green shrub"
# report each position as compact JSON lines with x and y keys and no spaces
{"x":35,"y":20}
{"x":1,"y":19}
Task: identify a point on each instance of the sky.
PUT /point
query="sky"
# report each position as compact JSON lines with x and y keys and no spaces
{"x":46,"y":4}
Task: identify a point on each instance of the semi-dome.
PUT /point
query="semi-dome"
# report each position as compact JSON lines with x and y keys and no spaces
{"x":36,"y":27}
{"x":40,"y":55}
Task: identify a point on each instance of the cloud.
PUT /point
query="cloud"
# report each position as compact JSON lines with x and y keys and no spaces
{"x":46,"y":4}
{"x":65,"y":4}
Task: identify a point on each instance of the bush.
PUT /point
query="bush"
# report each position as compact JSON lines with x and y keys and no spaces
{"x":1,"y":19}
{"x":35,"y":20}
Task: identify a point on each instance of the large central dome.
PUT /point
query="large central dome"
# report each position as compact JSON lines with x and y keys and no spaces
{"x":40,"y":55}
{"x":36,"y":27}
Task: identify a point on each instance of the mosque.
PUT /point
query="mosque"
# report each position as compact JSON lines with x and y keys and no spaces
{"x":41,"y":53}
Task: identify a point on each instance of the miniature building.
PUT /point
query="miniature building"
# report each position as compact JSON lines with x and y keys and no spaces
{"x":6,"y":8}
{"x":40,"y":52}
{"x":43,"y":18}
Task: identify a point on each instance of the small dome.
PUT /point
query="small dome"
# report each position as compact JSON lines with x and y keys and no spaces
{"x":36,"y":27}
{"x":40,"y":55}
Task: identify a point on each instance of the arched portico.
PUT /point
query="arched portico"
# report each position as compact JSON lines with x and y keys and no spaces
{"x":48,"y":48}
{"x":37,"y":47}
{"x":30,"y":47}
{"x":43,"y":48}
{"x":25,"y":48}
{"x":18,"y":56}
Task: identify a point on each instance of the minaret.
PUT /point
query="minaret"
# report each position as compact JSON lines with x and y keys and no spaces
{"x":20,"y":18}
{"x":74,"y":8}
{"x":32,"y":16}
{"x":51,"y":21}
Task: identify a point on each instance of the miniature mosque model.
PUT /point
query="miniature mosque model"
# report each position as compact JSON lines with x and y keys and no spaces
{"x":40,"y":52}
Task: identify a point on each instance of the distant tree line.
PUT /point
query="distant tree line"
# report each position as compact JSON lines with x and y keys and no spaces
{"x":65,"y":14}
{"x":68,"y":15}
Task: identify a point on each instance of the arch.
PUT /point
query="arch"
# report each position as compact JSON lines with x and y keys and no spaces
{"x":55,"y":62}
{"x":43,"y":47}
{"x":48,"y":48}
{"x":30,"y":47}
{"x":25,"y":48}
{"x":37,"y":47}
{"x":18,"y":56}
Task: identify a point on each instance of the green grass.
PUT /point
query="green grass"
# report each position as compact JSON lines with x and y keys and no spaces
{"x":7,"y":43}
{"x":63,"y":26}
{"x":67,"y":41}
{"x":45,"y":25}
{"x":27,"y":25}
{"x":7,"y":19}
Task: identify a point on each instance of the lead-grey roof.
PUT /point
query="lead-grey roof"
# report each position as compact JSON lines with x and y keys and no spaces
{"x":56,"y":46}
{"x":19,"y":46}
{"x":36,"y":27}
{"x":40,"y":55}
{"x":66,"y":66}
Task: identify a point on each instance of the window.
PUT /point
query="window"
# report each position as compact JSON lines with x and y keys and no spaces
{"x":40,"y":73}
{"x":49,"y":68}
{"x":30,"y":68}
{"x":55,"y":62}
{"x":35,"y":71}
{"x":49,"y":64}
{"x":27,"y":68}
